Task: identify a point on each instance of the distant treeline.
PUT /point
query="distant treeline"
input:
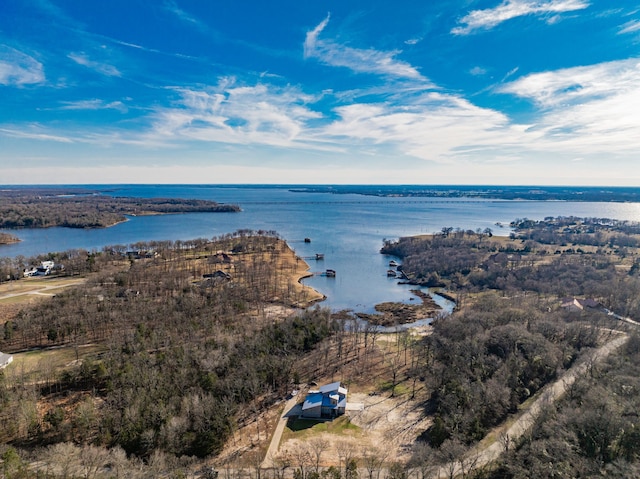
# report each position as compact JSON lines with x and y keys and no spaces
{"x":565,"y":230}
{"x":46,"y":208}
{"x":551,"y":258}
{"x":533,"y":193}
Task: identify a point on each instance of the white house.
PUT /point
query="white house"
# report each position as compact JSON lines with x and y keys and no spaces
{"x":326,"y":403}
{"x":5,"y":360}
{"x":45,"y":268}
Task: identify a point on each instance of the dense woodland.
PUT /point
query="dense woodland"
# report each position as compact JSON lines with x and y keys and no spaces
{"x":42,"y":209}
{"x":187,"y":356}
{"x":512,"y":336}
{"x":489,"y":359}
{"x":474,"y":261}
{"x":593,"y":432}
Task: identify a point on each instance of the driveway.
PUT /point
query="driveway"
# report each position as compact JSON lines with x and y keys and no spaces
{"x":291,"y":408}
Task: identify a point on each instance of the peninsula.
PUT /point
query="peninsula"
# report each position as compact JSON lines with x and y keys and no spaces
{"x":72,"y":208}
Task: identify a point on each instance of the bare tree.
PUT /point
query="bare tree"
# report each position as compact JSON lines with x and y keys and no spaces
{"x":346,"y":454}
{"x":373,"y":460}
{"x":317,"y":446}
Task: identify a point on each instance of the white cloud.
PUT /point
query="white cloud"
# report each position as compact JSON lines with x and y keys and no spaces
{"x":102,"y":68}
{"x":478,"y":71}
{"x":185,"y":17}
{"x":432,"y":126}
{"x":232,"y":113}
{"x":18,"y":69}
{"x":33,"y":132}
{"x":630,"y":27}
{"x":509,"y":9}
{"x":510,"y":73}
{"x":95,"y":104}
{"x":585,"y":110}
{"x":359,"y":60}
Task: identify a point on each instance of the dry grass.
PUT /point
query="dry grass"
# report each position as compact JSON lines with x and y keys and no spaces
{"x":387,"y":423}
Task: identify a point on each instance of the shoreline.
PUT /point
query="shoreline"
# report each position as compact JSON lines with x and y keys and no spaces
{"x":301,"y":272}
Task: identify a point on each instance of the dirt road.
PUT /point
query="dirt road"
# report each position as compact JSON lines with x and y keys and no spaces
{"x":42,"y":289}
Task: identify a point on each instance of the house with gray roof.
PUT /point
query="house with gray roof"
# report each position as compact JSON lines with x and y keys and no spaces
{"x":327,"y":402}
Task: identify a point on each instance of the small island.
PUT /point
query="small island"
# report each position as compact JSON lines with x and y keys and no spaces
{"x":6,"y":238}
{"x":71,"y":208}
{"x":395,"y":313}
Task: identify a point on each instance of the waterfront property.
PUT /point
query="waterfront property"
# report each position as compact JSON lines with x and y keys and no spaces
{"x":44,"y":269}
{"x":328,"y":402}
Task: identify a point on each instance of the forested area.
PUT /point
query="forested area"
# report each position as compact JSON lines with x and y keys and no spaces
{"x":487,"y":360}
{"x":468,"y":261}
{"x":512,"y":336}
{"x":584,"y":231}
{"x":44,"y":209}
{"x":185,"y":354}
{"x":592,"y":432}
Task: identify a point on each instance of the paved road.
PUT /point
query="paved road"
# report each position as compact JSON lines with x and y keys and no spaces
{"x":277,"y":435}
{"x":549,"y":394}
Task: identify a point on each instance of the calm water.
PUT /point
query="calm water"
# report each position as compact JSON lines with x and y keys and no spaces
{"x":348,"y":229}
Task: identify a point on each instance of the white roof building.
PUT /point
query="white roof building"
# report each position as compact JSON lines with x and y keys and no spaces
{"x":5,"y":360}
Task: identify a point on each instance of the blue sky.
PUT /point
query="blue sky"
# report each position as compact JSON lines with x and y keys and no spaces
{"x":434,"y":92}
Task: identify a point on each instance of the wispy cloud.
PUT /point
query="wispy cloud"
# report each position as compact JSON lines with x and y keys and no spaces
{"x":94,"y":104}
{"x":235,"y":113}
{"x":589,"y":109}
{"x":359,"y":60}
{"x":19,"y":69}
{"x":187,"y":18}
{"x":34,"y":132}
{"x":432,"y":126}
{"x":509,"y":9}
{"x":102,"y":68}
{"x":630,"y":27}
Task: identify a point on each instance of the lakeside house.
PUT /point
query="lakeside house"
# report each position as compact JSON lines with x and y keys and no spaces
{"x":575,"y":304}
{"x":44,"y":269}
{"x":5,"y":360}
{"x":328,"y":402}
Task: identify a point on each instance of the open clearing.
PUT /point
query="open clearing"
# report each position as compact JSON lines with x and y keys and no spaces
{"x":388,"y":425}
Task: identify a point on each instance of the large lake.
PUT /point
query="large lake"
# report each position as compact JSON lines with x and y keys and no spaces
{"x":348,"y":229}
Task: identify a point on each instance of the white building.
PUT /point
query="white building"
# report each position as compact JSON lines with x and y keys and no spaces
{"x":5,"y":360}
